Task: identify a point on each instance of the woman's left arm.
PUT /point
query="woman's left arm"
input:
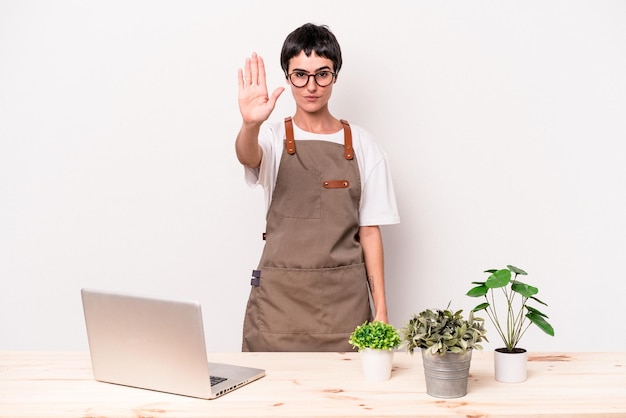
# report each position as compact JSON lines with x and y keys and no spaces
{"x":372,"y":244}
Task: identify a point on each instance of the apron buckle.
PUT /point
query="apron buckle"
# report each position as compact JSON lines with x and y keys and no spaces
{"x":256,"y":278}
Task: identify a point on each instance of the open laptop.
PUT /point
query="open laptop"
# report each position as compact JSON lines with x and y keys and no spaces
{"x":155,"y":344}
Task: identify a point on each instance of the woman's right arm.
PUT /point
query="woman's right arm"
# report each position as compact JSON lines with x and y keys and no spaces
{"x":255,"y":106}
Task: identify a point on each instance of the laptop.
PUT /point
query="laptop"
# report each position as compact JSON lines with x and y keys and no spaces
{"x":157,"y":344}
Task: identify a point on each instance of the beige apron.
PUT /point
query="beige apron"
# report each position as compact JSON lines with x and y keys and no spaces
{"x":310,"y":289}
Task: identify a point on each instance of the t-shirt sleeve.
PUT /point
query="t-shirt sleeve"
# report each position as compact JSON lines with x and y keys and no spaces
{"x":378,"y":199}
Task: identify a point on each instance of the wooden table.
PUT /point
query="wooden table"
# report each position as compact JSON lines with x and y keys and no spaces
{"x":45,"y":384}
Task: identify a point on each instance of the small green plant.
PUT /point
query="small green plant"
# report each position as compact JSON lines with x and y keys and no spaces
{"x":376,"y":335}
{"x":519,"y":315}
{"x":441,"y":331}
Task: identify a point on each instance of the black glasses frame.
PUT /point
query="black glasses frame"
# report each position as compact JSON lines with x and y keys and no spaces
{"x":314,"y":78}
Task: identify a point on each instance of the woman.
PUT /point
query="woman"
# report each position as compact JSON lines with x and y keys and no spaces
{"x":327,"y":189}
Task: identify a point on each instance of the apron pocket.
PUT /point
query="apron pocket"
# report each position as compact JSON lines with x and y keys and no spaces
{"x":299,"y":196}
{"x":314,"y":301}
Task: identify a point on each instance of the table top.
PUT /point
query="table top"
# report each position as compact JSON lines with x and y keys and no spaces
{"x":58,"y":384}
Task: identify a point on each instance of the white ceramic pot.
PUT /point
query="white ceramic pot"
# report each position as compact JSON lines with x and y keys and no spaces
{"x":510,"y":366}
{"x":376,"y":364}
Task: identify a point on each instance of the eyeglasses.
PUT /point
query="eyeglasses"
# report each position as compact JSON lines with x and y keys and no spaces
{"x":300,"y":79}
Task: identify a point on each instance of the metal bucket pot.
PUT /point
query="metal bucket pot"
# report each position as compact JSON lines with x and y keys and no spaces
{"x":446,"y":375}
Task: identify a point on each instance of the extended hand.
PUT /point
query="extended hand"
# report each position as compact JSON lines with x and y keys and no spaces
{"x":254,"y":104}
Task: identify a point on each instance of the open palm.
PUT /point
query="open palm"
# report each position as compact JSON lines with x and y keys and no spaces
{"x":254,"y":103}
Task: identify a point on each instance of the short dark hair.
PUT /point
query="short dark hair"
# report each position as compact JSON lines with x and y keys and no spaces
{"x":311,"y":38}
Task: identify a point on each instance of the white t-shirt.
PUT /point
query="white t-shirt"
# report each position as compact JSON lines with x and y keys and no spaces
{"x":378,"y":201}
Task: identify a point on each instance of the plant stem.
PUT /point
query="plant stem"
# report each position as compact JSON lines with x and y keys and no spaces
{"x":523,"y":332}
{"x":493,"y":316}
{"x":520,"y":320}
{"x":510,"y":319}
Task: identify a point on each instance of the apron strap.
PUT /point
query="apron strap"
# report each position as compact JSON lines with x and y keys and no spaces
{"x":347,"y":140}
{"x":290,"y":142}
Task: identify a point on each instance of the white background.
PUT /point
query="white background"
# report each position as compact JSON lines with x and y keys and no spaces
{"x":504,"y":123}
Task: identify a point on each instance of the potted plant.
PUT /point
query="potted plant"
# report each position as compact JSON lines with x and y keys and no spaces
{"x":375,"y":341}
{"x":446,"y":340}
{"x":511,"y":319}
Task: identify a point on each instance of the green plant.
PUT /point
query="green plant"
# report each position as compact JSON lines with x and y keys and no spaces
{"x":516,"y":294}
{"x":441,"y":331}
{"x":376,"y":335}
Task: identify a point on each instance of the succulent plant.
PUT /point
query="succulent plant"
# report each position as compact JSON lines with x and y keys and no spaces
{"x":441,"y":331}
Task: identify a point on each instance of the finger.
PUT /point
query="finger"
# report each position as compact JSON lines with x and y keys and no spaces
{"x":261,"y":67}
{"x":240,"y":78}
{"x":247,"y":72}
{"x":255,"y":68}
{"x":275,"y":95}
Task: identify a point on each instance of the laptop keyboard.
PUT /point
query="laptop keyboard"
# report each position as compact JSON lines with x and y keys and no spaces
{"x":216,"y":379}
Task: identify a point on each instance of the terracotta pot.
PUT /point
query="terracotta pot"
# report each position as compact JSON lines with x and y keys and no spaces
{"x":510,"y":366}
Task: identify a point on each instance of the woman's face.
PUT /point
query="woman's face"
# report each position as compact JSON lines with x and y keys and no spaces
{"x":311,"y":97}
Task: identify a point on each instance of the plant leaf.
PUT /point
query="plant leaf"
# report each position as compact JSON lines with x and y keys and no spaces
{"x":478,"y":291}
{"x":537,"y":300}
{"x":517,"y":270}
{"x":541,"y":323}
{"x":480,"y":307}
{"x":535,"y":311}
{"x":491,"y":271}
{"x":524,"y":289}
{"x":499,"y":278}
